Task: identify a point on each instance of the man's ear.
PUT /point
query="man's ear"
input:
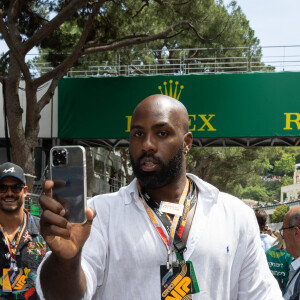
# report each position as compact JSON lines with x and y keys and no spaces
{"x":297,"y":233}
{"x":25,"y":189}
{"x":188,"y":140}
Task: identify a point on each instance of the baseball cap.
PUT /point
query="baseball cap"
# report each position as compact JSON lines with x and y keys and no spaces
{"x":10,"y":169}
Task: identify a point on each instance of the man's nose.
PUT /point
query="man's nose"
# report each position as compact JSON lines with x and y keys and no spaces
{"x":9,"y":191}
{"x":149,"y":144}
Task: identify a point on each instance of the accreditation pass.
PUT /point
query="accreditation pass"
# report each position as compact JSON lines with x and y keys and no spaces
{"x":171,"y":208}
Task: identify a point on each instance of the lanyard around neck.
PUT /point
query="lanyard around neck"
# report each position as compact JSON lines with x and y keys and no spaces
{"x":13,"y":245}
{"x":174,"y":238}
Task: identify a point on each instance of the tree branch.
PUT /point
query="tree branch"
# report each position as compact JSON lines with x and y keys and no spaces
{"x":137,"y":70}
{"x":48,"y":95}
{"x":13,"y":14}
{"x":90,"y":44}
{"x":15,"y":47}
{"x":220,"y":33}
{"x":77,"y":52}
{"x":3,"y":56}
{"x":175,"y":34}
{"x":136,"y":41}
{"x":49,"y":27}
{"x":139,"y":11}
{"x":183,"y":3}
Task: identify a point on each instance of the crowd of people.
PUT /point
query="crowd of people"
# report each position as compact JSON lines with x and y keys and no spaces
{"x":167,"y":235}
{"x":282,"y":250}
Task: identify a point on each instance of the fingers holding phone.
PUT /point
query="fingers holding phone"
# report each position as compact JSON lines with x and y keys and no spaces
{"x":65,"y":239}
{"x":52,"y":219}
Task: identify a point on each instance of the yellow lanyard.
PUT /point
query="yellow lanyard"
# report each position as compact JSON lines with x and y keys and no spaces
{"x":13,"y":248}
{"x":168,"y":243}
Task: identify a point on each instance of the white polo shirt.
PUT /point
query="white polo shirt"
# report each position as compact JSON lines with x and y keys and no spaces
{"x":122,"y":257}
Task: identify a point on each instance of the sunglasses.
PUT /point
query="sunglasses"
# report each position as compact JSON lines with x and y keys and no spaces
{"x":16,"y":188}
{"x":281,"y":229}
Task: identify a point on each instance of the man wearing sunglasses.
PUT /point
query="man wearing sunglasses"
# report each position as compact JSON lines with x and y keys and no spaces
{"x":290,"y":232}
{"x":22,"y":248}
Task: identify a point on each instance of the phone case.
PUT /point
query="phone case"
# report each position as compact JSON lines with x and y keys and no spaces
{"x":68,"y":171}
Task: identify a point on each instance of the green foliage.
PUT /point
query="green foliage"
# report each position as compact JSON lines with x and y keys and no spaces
{"x":279,"y":213}
{"x":286,"y":165}
{"x":297,"y":158}
{"x":219,"y":27}
{"x":286,"y":181}
{"x":272,"y":188}
{"x":237,"y":170}
{"x":257,"y":193}
{"x":33,"y":14}
{"x":229,"y":167}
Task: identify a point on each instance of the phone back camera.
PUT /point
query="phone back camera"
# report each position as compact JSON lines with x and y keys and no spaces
{"x":55,"y":162}
{"x":59,"y":157}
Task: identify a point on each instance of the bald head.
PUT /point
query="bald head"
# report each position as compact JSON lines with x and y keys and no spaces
{"x":292,"y":217}
{"x":161,"y":104}
{"x":291,"y":231}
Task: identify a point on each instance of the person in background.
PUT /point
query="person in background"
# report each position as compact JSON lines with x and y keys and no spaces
{"x":266,"y":240}
{"x":22,"y":248}
{"x":114,"y":182}
{"x":279,"y":261}
{"x":290,"y":232}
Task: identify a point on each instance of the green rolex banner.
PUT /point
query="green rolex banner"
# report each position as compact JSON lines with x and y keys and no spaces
{"x":219,"y":105}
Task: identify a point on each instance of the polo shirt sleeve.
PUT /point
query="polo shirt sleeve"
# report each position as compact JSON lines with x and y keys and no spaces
{"x":37,"y":282}
{"x":95,"y":250}
{"x":256,"y":280}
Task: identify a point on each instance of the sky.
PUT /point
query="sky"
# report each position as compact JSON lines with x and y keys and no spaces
{"x":276,"y":22}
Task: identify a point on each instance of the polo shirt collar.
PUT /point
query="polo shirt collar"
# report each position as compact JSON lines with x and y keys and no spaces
{"x":208,"y":191}
{"x":295,"y":264}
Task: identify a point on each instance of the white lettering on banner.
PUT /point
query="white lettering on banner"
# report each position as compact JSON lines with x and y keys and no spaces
{"x":171,"y":208}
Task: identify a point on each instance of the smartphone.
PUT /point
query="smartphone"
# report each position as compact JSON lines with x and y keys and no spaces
{"x":68,"y":171}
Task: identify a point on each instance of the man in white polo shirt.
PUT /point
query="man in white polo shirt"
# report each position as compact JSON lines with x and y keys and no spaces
{"x":168,"y":235}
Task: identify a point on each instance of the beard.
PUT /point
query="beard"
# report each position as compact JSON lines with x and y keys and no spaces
{"x":158,"y":179}
{"x":11,"y":209}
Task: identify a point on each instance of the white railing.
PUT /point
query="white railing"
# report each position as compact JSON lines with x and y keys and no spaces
{"x":209,"y":61}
